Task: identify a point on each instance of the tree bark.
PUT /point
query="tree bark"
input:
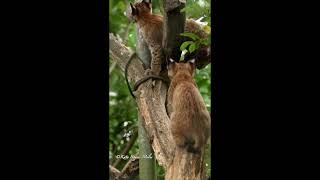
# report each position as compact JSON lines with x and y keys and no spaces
{"x":173,"y":26}
{"x":147,"y":159}
{"x":147,"y":166}
{"x":151,"y":103}
{"x":113,"y":173}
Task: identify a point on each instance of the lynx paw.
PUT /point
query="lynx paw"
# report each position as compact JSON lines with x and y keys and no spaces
{"x":150,"y":84}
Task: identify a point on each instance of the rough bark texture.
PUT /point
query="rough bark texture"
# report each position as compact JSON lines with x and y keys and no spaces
{"x":151,"y":103}
{"x":147,"y":166}
{"x":121,"y":54}
{"x":186,"y":166}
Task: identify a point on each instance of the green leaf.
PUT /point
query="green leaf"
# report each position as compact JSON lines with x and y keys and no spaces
{"x":183,"y":9}
{"x":192,"y":47}
{"x":185,"y":45}
{"x":190,"y":35}
{"x":197,"y":44}
{"x":205,"y":41}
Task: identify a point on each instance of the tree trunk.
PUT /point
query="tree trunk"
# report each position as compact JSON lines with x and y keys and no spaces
{"x":147,"y":159}
{"x":173,"y":26}
{"x":146,"y":165}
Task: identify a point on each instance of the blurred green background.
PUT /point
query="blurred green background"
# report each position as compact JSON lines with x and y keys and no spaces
{"x":122,"y":107}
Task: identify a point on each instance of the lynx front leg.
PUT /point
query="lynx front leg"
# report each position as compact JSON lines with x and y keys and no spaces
{"x":156,"y":62}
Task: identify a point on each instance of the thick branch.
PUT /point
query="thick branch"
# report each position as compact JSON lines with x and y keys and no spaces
{"x":173,"y":26}
{"x":172,"y":4}
{"x":121,"y":54}
{"x":151,"y":103}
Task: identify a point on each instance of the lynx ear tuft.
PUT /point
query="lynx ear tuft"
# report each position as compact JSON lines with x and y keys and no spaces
{"x":171,"y":60}
{"x":134,"y":10}
{"x":170,"y":63}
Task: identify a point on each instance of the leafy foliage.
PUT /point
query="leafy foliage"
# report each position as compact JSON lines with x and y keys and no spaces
{"x":122,"y":107}
{"x":197,"y":10}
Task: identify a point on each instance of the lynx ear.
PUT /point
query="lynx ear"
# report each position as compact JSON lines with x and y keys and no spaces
{"x":134,"y":10}
{"x":170,"y":63}
{"x":192,"y":61}
{"x":147,"y":3}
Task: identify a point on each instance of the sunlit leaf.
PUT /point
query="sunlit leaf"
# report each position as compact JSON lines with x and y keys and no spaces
{"x":184,"y":45}
{"x":192,"y":47}
{"x":190,"y":35}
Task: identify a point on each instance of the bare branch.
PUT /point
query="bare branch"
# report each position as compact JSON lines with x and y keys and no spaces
{"x":113,"y":173}
{"x":130,"y":170}
{"x":128,"y":147}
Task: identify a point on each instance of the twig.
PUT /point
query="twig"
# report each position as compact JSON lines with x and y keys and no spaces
{"x":128,"y":147}
{"x":126,"y":34}
{"x":113,"y":173}
{"x":112,"y":68}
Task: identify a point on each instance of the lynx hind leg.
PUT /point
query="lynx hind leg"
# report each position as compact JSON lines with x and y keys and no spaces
{"x":183,"y":141}
{"x":196,"y":147}
{"x":177,"y":132}
{"x":179,"y":139}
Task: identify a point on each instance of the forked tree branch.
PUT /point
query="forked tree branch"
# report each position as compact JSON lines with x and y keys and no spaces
{"x":151,"y":103}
